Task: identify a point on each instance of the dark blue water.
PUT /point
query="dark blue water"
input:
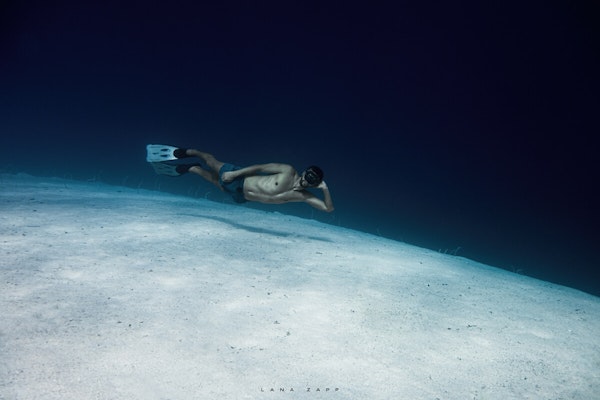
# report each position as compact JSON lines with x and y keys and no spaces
{"x":464,"y":128}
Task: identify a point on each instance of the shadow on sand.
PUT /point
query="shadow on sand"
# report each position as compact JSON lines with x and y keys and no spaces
{"x":255,"y":229}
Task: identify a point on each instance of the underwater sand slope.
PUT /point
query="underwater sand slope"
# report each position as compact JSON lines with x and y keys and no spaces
{"x":115,"y":293}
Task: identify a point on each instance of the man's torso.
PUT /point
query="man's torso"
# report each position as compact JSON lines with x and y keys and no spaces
{"x":274,"y":189}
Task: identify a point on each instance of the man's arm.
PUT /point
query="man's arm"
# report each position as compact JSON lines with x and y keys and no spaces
{"x":326,"y":197}
{"x":324,"y":205}
{"x":271,"y":168}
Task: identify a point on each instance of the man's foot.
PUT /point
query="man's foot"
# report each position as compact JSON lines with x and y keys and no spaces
{"x":180,"y":153}
{"x":185,"y":168}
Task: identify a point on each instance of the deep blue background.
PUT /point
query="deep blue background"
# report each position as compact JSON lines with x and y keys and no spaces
{"x":442,"y":124}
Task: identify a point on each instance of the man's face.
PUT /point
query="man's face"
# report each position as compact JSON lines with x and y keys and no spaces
{"x":309,"y":179}
{"x":303,"y":181}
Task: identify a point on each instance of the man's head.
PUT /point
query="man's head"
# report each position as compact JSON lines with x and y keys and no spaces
{"x":313,"y":176}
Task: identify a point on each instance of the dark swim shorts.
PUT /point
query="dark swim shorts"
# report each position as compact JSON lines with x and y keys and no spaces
{"x":236,"y":187}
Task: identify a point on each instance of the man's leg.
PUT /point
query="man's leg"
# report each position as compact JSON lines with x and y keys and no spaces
{"x":211,"y":162}
{"x":210,"y":176}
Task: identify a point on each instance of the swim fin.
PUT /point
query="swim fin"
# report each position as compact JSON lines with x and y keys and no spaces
{"x":163,"y":152}
{"x":171,"y":169}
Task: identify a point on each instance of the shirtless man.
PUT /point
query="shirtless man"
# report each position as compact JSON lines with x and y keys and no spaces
{"x":265,"y":183}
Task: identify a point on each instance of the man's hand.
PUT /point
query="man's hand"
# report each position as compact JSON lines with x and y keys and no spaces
{"x":322,"y":185}
{"x":228,"y":176}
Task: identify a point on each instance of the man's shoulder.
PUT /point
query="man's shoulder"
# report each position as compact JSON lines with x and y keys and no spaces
{"x":284,"y":166}
{"x":286,"y":169}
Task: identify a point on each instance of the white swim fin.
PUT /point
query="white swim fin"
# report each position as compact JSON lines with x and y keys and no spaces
{"x":160,"y":152}
{"x":166,"y":169}
{"x":171,"y":169}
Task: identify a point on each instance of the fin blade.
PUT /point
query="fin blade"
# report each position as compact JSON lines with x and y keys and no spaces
{"x":160,"y":152}
{"x":165,"y":169}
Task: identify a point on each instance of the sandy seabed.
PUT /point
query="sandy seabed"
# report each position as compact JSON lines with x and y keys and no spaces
{"x":110,"y":292}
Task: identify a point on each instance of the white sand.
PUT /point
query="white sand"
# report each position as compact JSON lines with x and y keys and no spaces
{"x":116,"y":293}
